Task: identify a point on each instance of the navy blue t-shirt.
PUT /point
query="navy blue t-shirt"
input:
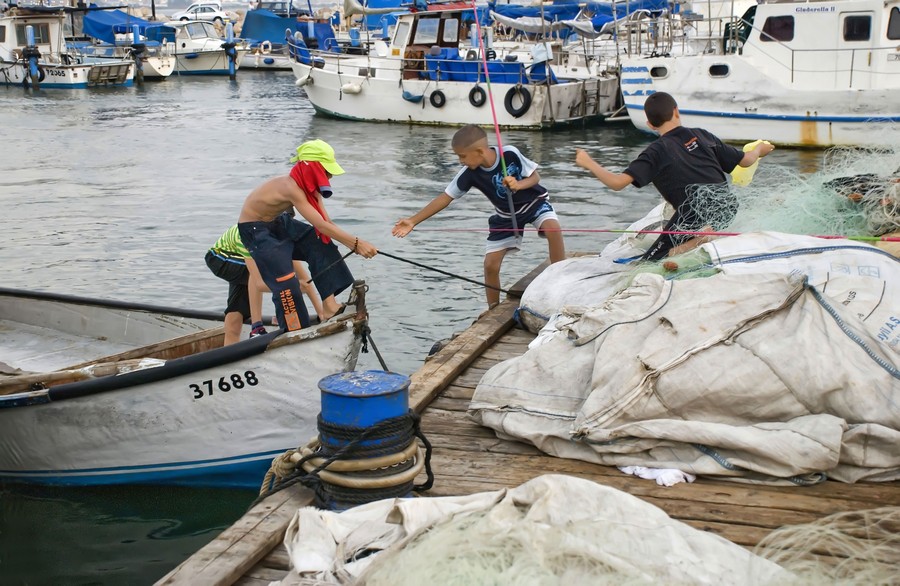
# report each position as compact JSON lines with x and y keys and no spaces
{"x":683,"y":157}
{"x":489,"y":181}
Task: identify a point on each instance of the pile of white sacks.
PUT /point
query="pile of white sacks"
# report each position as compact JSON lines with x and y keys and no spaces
{"x":780,"y":367}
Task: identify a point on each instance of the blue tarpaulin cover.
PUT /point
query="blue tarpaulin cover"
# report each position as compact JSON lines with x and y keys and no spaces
{"x":104,"y":24}
{"x":602,"y":12}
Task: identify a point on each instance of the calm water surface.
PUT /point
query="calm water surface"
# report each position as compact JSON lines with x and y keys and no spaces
{"x":119,"y":193}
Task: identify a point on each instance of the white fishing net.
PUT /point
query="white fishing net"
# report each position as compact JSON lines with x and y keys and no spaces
{"x":857,"y":193}
{"x":858,"y":548}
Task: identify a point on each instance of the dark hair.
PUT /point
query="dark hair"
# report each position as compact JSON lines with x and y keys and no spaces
{"x":659,"y":108}
{"x":467,"y":136}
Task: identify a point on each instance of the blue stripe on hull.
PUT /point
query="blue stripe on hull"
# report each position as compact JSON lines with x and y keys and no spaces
{"x":205,"y":72}
{"x":240,"y":472}
{"x":785,"y":117}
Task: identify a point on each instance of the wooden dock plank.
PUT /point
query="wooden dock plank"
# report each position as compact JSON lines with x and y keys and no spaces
{"x":229,"y":556}
{"x":450,"y":361}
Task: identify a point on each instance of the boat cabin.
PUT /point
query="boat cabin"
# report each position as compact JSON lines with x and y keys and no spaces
{"x":48,"y":34}
{"x":429,"y":42}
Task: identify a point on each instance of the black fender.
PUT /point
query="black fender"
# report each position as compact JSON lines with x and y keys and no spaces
{"x":477,"y":96}
{"x":437,"y":99}
{"x":522,"y":91}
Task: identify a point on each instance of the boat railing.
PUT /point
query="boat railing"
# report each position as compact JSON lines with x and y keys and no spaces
{"x":447,"y":64}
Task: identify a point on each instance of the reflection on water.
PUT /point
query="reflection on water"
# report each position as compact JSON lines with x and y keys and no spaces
{"x":113,"y":535}
{"x":118,"y":194}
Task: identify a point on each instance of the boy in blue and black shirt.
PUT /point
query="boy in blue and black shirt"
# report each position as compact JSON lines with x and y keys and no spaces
{"x":517,"y":194}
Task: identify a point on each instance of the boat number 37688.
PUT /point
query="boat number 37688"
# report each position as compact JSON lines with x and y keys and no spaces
{"x":225,"y":384}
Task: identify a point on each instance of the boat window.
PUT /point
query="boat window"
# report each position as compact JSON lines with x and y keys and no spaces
{"x":2,"y":34}
{"x":427,"y":31}
{"x":659,"y":72}
{"x":778,"y":29}
{"x":401,"y":31}
{"x":858,"y":28}
{"x":451,"y":31}
{"x":718,"y":70}
{"x":41,"y":33}
{"x":893,"y":32}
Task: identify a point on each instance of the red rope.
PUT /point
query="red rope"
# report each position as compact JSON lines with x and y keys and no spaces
{"x":671,"y":232}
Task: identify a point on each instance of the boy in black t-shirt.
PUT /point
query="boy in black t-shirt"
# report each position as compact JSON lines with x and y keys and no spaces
{"x":517,"y":197}
{"x":680,"y":159}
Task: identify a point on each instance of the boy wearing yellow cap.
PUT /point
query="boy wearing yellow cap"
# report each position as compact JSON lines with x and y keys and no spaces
{"x":275,"y":239}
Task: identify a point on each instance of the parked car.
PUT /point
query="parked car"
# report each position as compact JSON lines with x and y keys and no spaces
{"x":209,"y":11}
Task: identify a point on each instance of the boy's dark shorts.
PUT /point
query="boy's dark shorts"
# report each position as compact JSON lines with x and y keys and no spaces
{"x":237,"y":275}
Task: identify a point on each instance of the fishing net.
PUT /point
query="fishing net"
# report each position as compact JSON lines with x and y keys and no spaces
{"x":468,"y":550}
{"x":857,"y":193}
{"x":853,"y":548}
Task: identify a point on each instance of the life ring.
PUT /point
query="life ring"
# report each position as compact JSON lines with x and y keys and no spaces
{"x":437,"y":99}
{"x":265,"y":47}
{"x":477,"y":96}
{"x":522,"y":91}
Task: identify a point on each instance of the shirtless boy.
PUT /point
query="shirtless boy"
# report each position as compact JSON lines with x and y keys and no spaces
{"x":274,"y":238}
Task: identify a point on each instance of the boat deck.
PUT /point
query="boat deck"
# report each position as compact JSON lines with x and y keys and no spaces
{"x":38,"y":349}
{"x":469,"y":458}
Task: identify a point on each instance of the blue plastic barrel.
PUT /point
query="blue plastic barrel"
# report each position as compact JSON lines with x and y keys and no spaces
{"x":362,"y":399}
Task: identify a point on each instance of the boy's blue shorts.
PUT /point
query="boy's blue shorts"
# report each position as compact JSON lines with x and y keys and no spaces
{"x":502,"y":235}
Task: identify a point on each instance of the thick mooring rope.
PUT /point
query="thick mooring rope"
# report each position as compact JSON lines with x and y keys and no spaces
{"x":306,"y":464}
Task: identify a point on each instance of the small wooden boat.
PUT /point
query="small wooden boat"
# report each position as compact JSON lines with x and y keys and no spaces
{"x":98,"y":392}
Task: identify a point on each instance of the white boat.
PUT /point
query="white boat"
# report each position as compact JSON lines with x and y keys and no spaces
{"x":266,"y":56}
{"x":95,"y":392}
{"x":422,"y":77}
{"x":199,"y":50}
{"x":54,"y":65}
{"x":114,"y":33}
{"x":816,"y":74}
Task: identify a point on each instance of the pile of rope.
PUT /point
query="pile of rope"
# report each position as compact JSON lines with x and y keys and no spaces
{"x":365,"y":464}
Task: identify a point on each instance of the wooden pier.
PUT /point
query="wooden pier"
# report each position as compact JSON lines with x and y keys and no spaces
{"x":469,"y":458}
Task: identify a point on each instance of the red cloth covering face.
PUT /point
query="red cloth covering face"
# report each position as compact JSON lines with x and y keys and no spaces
{"x":310,"y":176}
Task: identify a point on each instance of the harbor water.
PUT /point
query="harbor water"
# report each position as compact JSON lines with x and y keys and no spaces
{"x":118,"y":193}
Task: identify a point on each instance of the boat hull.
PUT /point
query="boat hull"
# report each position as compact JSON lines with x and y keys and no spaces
{"x":81,"y":76}
{"x":158,"y":67}
{"x":215,"y":426}
{"x":206,"y":62}
{"x":755,"y":107}
{"x":266,"y":61}
{"x":346,"y":94}
{"x":95,"y":392}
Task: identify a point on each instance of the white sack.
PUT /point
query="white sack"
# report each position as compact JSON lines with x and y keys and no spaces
{"x":588,"y":280}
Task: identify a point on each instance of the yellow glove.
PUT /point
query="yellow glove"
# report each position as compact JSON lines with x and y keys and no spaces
{"x":743,"y":175}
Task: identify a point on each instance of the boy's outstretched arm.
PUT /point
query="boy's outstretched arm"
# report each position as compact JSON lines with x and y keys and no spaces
{"x":756,"y":153}
{"x":405,"y":225}
{"x":615,"y":181}
{"x":357,"y":245}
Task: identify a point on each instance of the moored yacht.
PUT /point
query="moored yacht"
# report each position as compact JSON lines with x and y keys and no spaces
{"x":33,"y":53}
{"x":817,"y":74}
{"x":423,"y":77}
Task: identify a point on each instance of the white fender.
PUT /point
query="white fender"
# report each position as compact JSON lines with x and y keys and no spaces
{"x":351,"y":88}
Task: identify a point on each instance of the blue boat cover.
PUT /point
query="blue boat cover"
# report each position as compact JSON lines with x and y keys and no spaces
{"x":264,"y":25}
{"x":568,"y":9}
{"x":105,"y":24}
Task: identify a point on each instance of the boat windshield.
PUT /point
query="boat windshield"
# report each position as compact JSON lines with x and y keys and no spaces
{"x":200,"y":30}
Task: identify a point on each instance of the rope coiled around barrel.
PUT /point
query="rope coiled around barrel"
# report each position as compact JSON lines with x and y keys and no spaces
{"x":323,"y":468}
